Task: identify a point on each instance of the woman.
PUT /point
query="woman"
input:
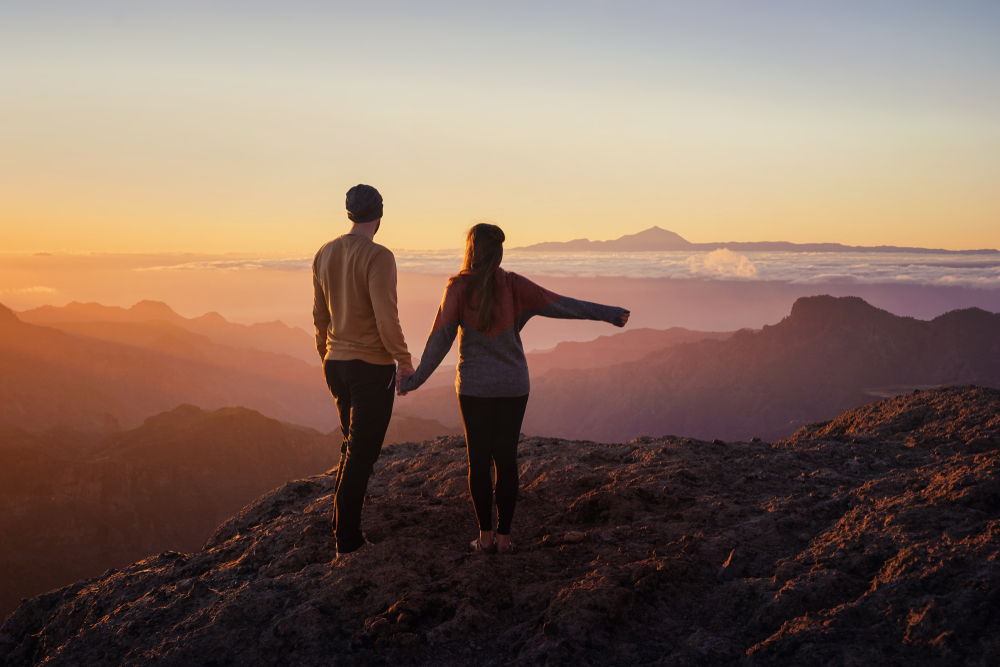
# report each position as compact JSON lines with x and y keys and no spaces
{"x":487,"y":307}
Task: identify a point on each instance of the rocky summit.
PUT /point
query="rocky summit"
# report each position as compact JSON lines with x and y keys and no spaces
{"x":869,"y":540}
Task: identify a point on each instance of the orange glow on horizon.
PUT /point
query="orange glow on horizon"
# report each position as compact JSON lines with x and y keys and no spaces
{"x":116,"y":139}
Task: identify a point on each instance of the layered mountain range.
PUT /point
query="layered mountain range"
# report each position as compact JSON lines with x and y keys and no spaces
{"x":655,"y":239}
{"x":603,"y":351}
{"x":74,"y":373}
{"x":74,"y":504}
{"x":94,"y":319}
{"x":828,"y":355}
{"x":867,"y":540}
{"x":77,"y":372}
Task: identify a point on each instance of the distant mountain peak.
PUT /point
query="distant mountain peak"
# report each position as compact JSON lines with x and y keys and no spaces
{"x":273,"y":337}
{"x":154,"y":309}
{"x":826,"y":309}
{"x":213,"y":318}
{"x":653,"y":239}
{"x":657,"y":239}
{"x":182,"y":413}
{"x":7,"y":316}
{"x":84,"y":305}
{"x":967,"y":317}
{"x":656,"y":230}
{"x":827,"y":303}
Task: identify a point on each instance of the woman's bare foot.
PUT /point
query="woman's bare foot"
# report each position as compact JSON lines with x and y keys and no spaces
{"x":503,"y":543}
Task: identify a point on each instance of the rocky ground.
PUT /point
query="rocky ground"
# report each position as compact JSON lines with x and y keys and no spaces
{"x":871,"y":539}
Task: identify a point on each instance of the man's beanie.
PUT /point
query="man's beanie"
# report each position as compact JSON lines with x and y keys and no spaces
{"x":364,"y":204}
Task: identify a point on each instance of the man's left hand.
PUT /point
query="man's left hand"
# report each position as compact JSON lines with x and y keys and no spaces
{"x":401,"y":373}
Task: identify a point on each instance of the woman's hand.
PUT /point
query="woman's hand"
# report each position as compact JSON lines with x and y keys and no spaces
{"x":400,"y":374}
{"x":624,"y":319}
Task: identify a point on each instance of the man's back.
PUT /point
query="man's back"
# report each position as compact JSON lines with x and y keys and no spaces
{"x":354,"y":284}
{"x":359,"y":337}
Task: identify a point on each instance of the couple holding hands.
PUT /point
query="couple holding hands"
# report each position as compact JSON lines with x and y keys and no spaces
{"x":365,"y":358}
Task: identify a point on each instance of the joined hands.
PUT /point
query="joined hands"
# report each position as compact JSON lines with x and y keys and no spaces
{"x":400,"y":374}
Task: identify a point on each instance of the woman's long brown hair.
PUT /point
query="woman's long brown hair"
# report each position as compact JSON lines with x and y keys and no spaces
{"x":483,"y":253}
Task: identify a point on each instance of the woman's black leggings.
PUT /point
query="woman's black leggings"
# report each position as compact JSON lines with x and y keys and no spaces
{"x":492,"y":428}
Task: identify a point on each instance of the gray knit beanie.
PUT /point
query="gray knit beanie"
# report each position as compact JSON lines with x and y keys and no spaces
{"x":364,"y":204}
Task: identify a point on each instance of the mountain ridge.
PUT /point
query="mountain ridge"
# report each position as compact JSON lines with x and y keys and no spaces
{"x":830,"y":354}
{"x":608,"y":350}
{"x":53,"y":376}
{"x":276,"y":337}
{"x":166,"y":484}
{"x":656,"y":239}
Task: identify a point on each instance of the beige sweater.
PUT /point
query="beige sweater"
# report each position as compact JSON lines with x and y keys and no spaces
{"x":354,"y":285}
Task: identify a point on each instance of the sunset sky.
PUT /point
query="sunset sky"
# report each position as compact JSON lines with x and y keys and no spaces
{"x":218,"y":127}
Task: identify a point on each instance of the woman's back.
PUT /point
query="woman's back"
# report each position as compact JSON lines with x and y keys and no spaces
{"x":491,"y":361}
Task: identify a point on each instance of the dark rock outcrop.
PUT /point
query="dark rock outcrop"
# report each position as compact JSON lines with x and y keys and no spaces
{"x":871,"y":539}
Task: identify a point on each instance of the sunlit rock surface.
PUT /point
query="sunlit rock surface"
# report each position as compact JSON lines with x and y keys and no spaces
{"x":869,"y":540}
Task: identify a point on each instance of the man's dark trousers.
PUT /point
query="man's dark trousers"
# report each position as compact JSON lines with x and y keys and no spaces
{"x":364,"y":393}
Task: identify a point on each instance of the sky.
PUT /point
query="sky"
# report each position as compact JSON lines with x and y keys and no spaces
{"x":218,"y":127}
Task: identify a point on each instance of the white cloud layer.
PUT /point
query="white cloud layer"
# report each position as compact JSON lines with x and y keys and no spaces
{"x":37,"y":289}
{"x":980,"y":271}
{"x":721,"y":263}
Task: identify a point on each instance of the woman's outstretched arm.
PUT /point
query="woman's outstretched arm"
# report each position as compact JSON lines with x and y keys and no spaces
{"x":439,"y":341}
{"x":534,"y":300}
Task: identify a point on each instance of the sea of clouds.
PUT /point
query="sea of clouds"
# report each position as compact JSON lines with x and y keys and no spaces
{"x":982,"y":271}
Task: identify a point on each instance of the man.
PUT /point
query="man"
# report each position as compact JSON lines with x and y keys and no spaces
{"x":360,"y":341}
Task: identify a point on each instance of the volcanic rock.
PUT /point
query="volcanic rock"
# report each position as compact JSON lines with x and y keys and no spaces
{"x":869,"y":540}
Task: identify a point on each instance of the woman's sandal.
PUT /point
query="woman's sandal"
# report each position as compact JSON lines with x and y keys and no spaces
{"x":508,"y":552}
{"x":477,"y":546}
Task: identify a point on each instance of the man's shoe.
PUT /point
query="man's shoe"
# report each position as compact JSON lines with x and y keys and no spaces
{"x":356,"y":551}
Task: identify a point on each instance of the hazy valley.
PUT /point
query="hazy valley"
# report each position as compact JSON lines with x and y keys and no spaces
{"x":275,"y":337}
{"x":135,"y":369}
{"x":75,"y":504}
